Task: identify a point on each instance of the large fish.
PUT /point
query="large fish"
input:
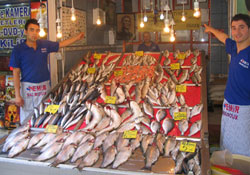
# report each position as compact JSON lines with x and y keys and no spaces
{"x":160,"y":141}
{"x":20,"y":146}
{"x":82,"y":150}
{"x":135,"y":143}
{"x":90,"y":159}
{"x":183,"y":126}
{"x":74,"y":138}
{"x":110,"y":140}
{"x":155,"y":126}
{"x":8,"y":145}
{"x":35,"y":139}
{"x":100,"y":139}
{"x":46,"y":139}
{"x":109,"y":156}
{"x":52,"y":151}
{"x":146,"y":141}
{"x":161,"y":114}
{"x":169,"y":146}
{"x":64,"y":155}
{"x":152,"y":156}
{"x":167,"y":125}
{"x":195,"y":127}
{"x":122,"y":156}
{"x":121,"y":142}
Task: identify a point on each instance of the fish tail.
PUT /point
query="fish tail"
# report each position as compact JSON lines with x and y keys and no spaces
{"x":54,"y":164}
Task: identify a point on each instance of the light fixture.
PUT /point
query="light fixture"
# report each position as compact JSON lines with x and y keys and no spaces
{"x":172,"y":37}
{"x":145,"y":18}
{"x":73,"y":16}
{"x":59,"y":24}
{"x":59,"y":32}
{"x":166,"y":28}
{"x":197,"y":12}
{"x":183,"y":17}
{"x":42,"y":32}
{"x":98,"y":20}
{"x":142,"y":23}
{"x":161,"y":15}
{"x":41,"y":22}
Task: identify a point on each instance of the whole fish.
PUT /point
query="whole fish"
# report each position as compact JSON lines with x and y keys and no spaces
{"x":14,"y":134}
{"x":167,"y":125}
{"x":173,"y":110}
{"x":110,"y":140}
{"x":183,"y":126}
{"x":184,"y":76}
{"x":20,"y":146}
{"x":97,"y":115}
{"x":46,"y":139}
{"x":155,"y":126}
{"x":74,"y":138}
{"x":181,"y":100}
{"x":195,"y":127}
{"x":109,"y":156}
{"x":100,"y":139}
{"x":122,"y":156}
{"x":142,"y":129}
{"x":35,"y":139}
{"x":152,"y":156}
{"x":90,"y":159}
{"x":87,"y":137}
{"x":135,"y":143}
{"x":121,"y":142}
{"x":145,"y":88}
{"x":169,"y":146}
{"x":146,"y":141}
{"x":127,"y":126}
{"x":52,"y":151}
{"x":196,"y":110}
{"x":64,"y":155}
{"x":82,"y":150}
{"x":160,"y":141}
{"x":138,"y":91}
{"x":102,"y":124}
{"x":148,"y":109}
{"x":115,"y":117}
{"x":121,"y":95}
{"x":161,"y":114}
{"x":8,"y":145}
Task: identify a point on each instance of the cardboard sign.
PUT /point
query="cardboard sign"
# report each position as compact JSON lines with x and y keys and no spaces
{"x":110,"y":99}
{"x":180,"y":115}
{"x":175,"y":66}
{"x":97,"y":56}
{"x":118,"y":73}
{"x":52,"y":109}
{"x":139,"y":53}
{"x":91,"y":70}
{"x":181,"y":88}
{"x":187,"y":146}
{"x":130,"y":134}
{"x":51,"y":128}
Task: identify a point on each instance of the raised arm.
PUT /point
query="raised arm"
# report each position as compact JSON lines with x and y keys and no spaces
{"x":71,"y":40}
{"x":16,"y":77}
{"x":218,"y":34}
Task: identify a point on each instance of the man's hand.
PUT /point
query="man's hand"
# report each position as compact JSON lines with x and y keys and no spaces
{"x":80,"y":36}
{"x":19,"y":101}
{"x":207,"y":28}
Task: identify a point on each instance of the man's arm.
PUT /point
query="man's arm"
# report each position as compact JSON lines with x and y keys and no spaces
{"x":71,"y":40}
{"x":218,"y":34}
{"x":16,"y":76}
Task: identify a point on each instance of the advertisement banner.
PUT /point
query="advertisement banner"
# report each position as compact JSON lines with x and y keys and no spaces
{"x":12,"y":21}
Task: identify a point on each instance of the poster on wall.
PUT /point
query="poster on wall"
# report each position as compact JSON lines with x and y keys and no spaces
{"x":12,"y":21}
{"x":125,"y":27}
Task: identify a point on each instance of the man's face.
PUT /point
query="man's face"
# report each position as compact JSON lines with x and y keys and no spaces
{"x":32,"y":32}
{"x":240,"y":31}
{"x":126,"y":22}
{"x":146,"y":37}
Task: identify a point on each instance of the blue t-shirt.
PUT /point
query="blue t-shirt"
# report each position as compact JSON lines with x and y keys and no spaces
{"x":238,"y":82}
{"x":33,"y":63}
{"x":153,"y":48}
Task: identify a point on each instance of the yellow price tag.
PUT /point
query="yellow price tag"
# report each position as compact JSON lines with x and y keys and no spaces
{"x":110,"y":99}
{"x":51,"y":128}
{"x":130,"y":134}
{"x":175,"y":66}
{"x":181,"y":56}
{"x":187,"y":146}
{"x":180,"y":115}
{"x":118,"y":73}
{"x":97,"y":56}
{"x":52,"y":109}
{"x":181,"y":88}
{"x":139,"y":53}
{"x":91,"y":70}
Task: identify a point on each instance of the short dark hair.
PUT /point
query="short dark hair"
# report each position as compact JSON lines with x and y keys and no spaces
{"x":30,"y":21}
{"x":42,"y":4}
{"x":243,"y":17}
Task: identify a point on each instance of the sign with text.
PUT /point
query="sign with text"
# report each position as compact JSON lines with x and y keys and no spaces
{"x":13,"y":19}
{"x":191,"y":22}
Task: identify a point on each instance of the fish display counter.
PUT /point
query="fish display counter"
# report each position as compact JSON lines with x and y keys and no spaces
{"x":118,"y":113}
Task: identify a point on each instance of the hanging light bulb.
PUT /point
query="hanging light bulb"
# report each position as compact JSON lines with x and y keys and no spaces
{"x":161,"y":16}
{"x":59,"y":32}
{"x":197,"y":12}
{"x":183,"y":17}
{"x":141,"y":24}
{"x":172,"y":37}
{"x":166,"y":28}
{"x":98,"y":21}
{"x":73,"y":16}
{"x":42,"y":33}
{"x":145,"y":18}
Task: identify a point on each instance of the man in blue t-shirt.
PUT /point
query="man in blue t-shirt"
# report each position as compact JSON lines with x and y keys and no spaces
{"x":148,"y":45}
{"x":235,"y":123}
{"x":30,"y":60}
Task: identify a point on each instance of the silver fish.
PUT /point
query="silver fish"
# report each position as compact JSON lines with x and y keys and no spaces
{"x":146,"y":141}
{"x":161,"y":114}
{"x":167,"y":125}
{"x":120,"y":94}
{"x":148,"y":109}
{"x":64,"y":155}
{"x":122,"y":156}
{"x":183,"y":126}
{"x":74,"y":138}
{"x":195,"y":127}
{"x":155,"y":126}
{"x":181,"y":100}
{"x":8,"y":145}
{"x":90,"y":159}
{"x":109,"y":156}
{"x":196,"y":110}
{"x":169,"y":146}
{"x":52,"y":151}
{"x":160,"y":140}
{"x":87,"y":137}
{"x":103,"y":124}
{"x":82,"y":150}
{"x":142,"y":129}
{"x":152,"y":156}
{"x":125,"y":127}
{"x":110,"y":140}
{"x":20,"y":146}
{"x":46,"y":139}
{"x":135,"y":143}
{"x":35,"y":139}
{"x":100,"y":139}
{"x":121,"y":142}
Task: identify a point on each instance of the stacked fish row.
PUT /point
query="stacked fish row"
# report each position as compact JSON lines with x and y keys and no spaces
{"x":83,"y":149}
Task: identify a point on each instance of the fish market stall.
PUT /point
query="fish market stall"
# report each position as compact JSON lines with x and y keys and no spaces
{"x":119,"y":113}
